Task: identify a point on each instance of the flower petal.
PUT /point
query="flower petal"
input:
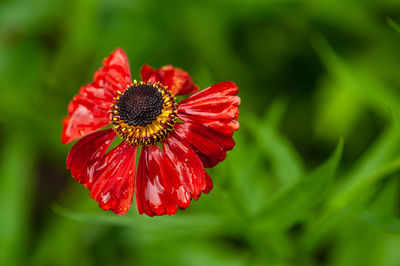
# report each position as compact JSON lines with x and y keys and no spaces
{"x":84,"y":119}
{"x":211,"y":117}
{"x":225,"y":88}
{"x":114,"y":179}
{"x":225,"y":110}
{"x":216,"y":102}
{"x":210,"y":145}
{"x":118,"y":58}
{"x":169,"y":178}
{"x":177,"y":80}
{"x":209,"y":183}
{"x":225,"y":126}
{"x":115,"y":74}
{"x":158,"y":190}
{"x":98,"y":96}
{"x":88,"y":110}
{"x":190,"y":168}
{"x":86,"y":154}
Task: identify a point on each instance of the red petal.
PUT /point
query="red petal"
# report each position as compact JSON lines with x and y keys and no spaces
{"x":141,"y":183}
{"x":112,"y":78}
{"x":224,"y":126}
{"x":211,"y":117}
{"x":225,"y":88}
{"x":215,"y":102}
{"x":209,"y":183}
{"x":177,"y":80}
{"x":222,"y":111}
{"x":147,"y":72}
{"x":114,"y":179}
{"x":115,"y":73}
{"x":84,"y":119}
{"x":86,"y":154}
{"x":100,"y":97}
{"x":211,"y":101}
{"x":222,"y":107}
{"x":87,"y":111}
{"x":210,"y":145}
{"x":169,"y":179}
{"x":190,"y":168}
{"x":118,"y":58}
{"x":158,"y":189}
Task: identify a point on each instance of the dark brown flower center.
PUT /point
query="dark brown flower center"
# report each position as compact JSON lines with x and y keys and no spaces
{"x":140,"y":105}
{"x":144,"y":114}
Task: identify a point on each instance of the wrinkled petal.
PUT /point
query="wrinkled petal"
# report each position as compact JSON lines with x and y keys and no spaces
{"x":177,"y":80}
{"x":118,"y":58}
{"x":112,"y":78}
{"x":86,"y":154}
{"x":115,"y":74}
{"x":98,"y":96}
{"x":225,"y":126}
{"x":210,"y":145}
{"x":114,"y":179}
{"x":209,"y":183}
{"x":169,"y":178}
{"x":225,"y":88}
{"x":88,"y":110}
{"x":190,"y":168}
{"x":157,"y":190}
{"x":211,"y":117}
{"x":83,"y":120}
{"x":216,"y":102}
{"x":224,"y":110}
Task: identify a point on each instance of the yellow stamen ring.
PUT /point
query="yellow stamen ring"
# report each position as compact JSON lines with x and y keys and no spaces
{"x":150,"y":131}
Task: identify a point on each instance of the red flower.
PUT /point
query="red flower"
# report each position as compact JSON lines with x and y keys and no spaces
{"x":144,"y":114}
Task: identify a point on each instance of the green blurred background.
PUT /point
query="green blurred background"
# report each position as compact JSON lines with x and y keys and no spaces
{"x":310,"y":72}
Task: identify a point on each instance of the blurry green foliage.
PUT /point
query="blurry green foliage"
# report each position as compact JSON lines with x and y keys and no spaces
{"x":310,"y":73}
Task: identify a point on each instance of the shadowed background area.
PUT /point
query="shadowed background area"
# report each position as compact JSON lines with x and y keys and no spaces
{"x":309,"y":72}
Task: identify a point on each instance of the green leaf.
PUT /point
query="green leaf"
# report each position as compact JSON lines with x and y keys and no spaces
{"x":285,"y":160}
{"x":274,"y":114}
{"x":339,"y":108}
{"x":249,"y":181}
{"x":383,"y":221}
{"x":368,"y":88}
{"x":292,"y":204}
{"x":373,"y":166}
{"x":393,"y":24}
{"x":16,"y":167}
{"x":142,"y":222}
